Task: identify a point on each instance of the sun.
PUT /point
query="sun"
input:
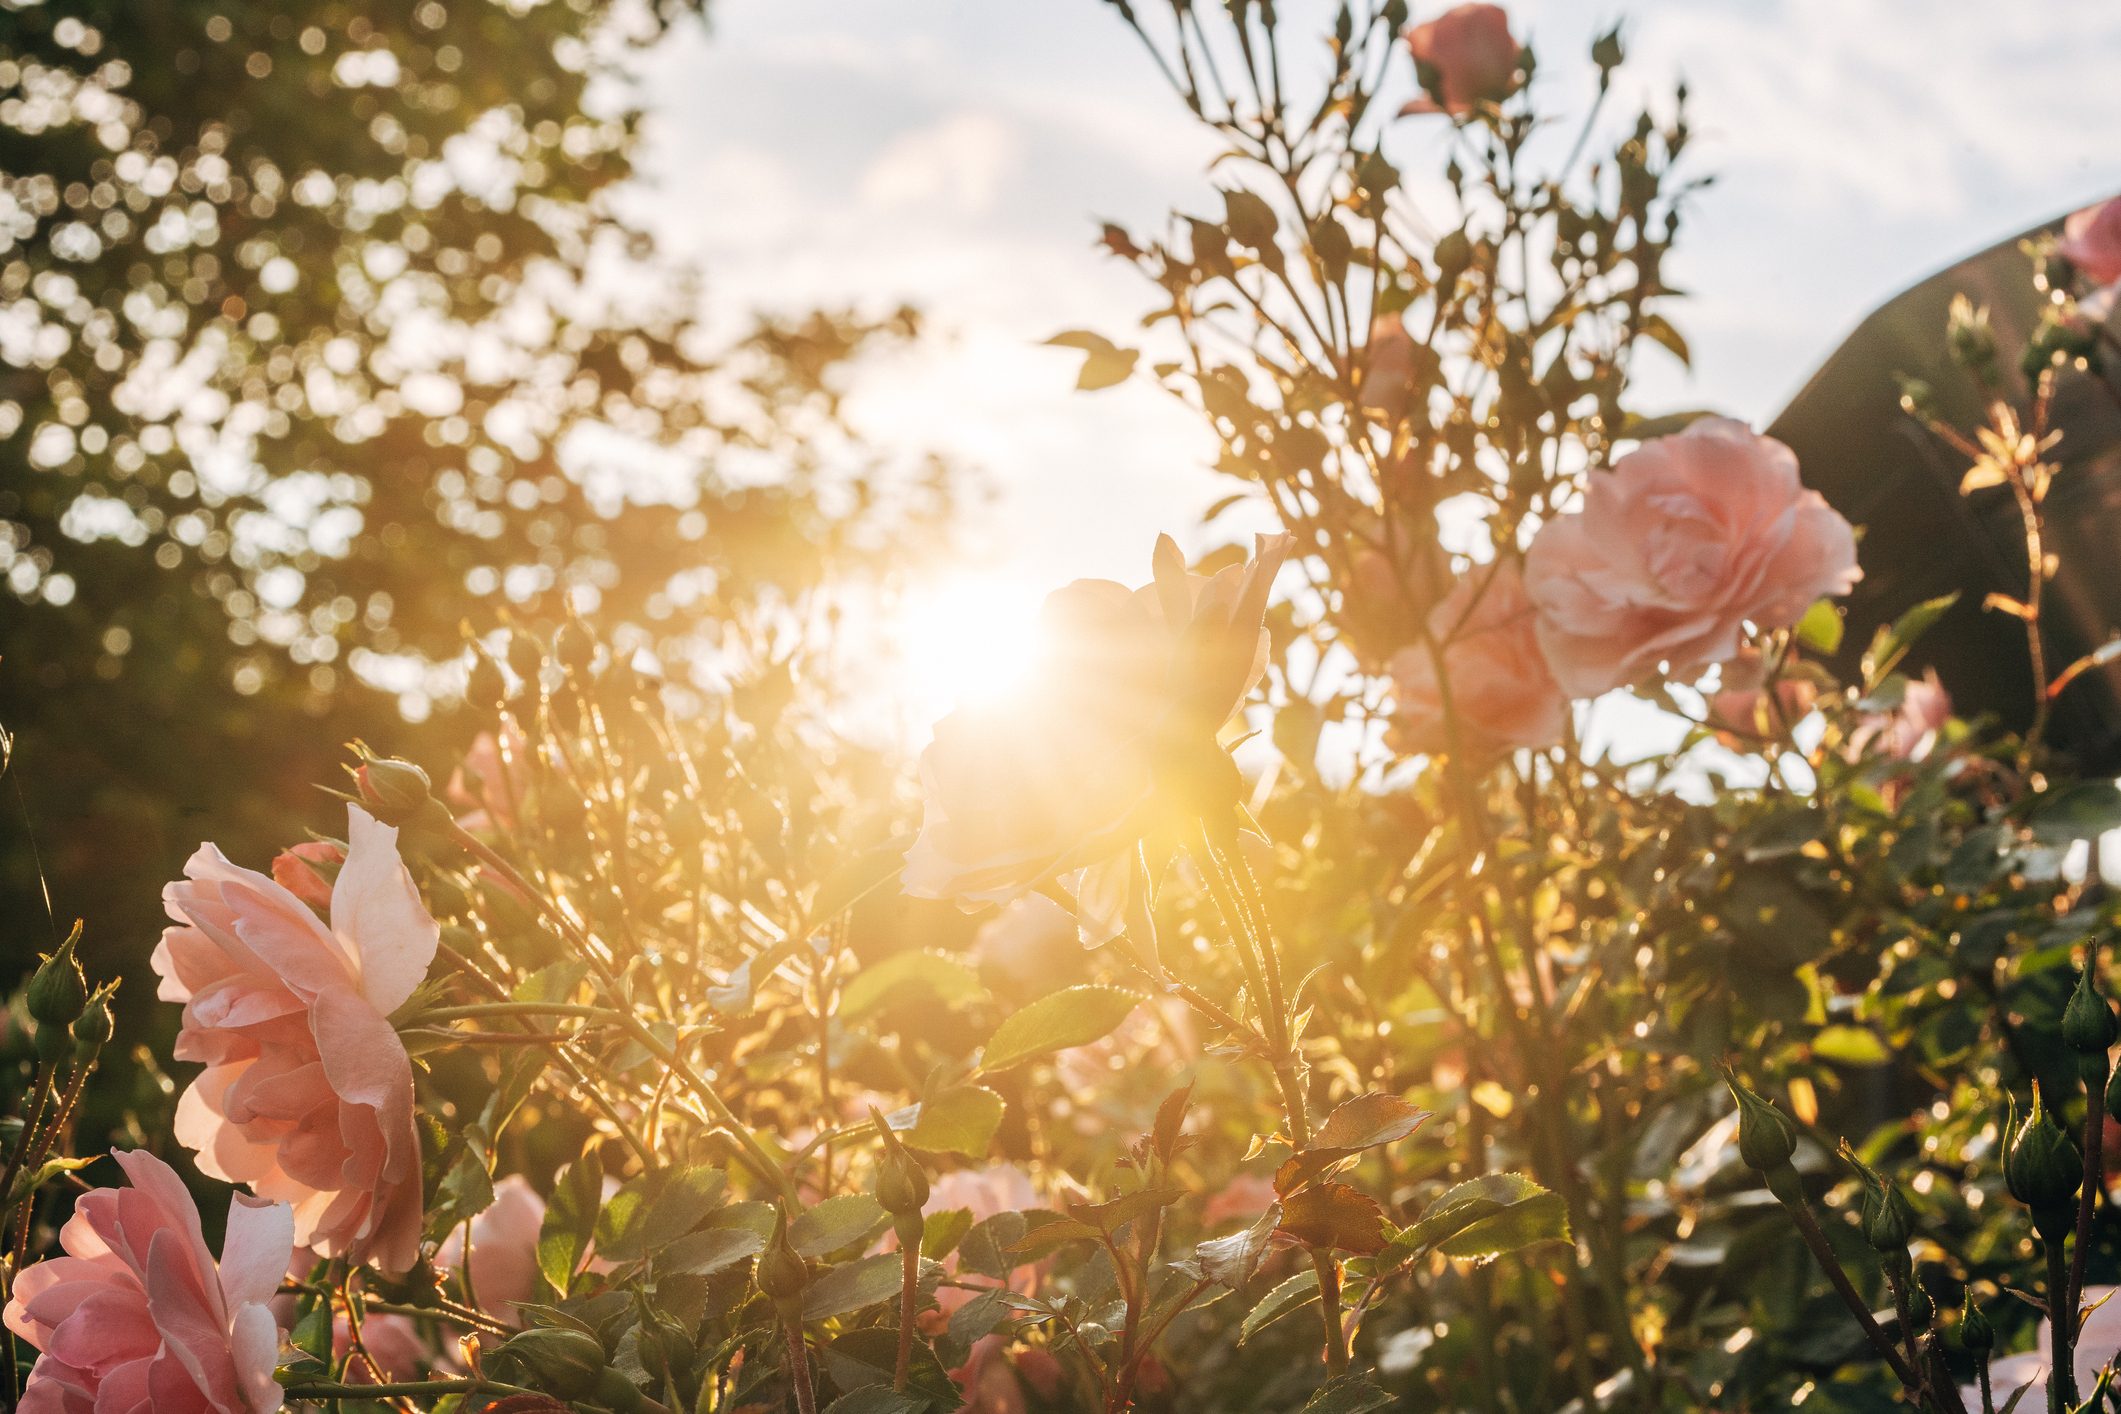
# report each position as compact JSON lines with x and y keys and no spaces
{"x":961,"y":640}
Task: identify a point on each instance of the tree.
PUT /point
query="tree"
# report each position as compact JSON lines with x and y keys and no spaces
{"x":323,"y":335}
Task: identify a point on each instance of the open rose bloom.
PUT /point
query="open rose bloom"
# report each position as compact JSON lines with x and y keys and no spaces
{"x":307,"y":1093}
{"x":2091,"y":241}
{"x":138,"y":1317}
{"x":1501,"y":694}
{"x":1057,"y":779}
{"x":1686,"y":541}
{"x":1472,"y":54}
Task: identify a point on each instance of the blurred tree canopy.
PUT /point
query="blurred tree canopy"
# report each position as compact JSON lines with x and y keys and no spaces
{"x":323,"y":336}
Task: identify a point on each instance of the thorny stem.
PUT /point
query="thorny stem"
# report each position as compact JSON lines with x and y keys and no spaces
{"x":2094,"y":1173}
{"x":2062,"y":1326}
{"x":908,"y":1299}
{"x":799,"y":1369}
{"x":1808,"y":1229}
{"x":1329,"y":1310}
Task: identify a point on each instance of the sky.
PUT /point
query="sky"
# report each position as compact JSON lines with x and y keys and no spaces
{"x":958,"y":154}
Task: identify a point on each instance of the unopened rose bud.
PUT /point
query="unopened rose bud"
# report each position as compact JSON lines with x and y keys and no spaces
{"x":558,"y":1359}
{"x":93,"y":1029}
{"x":1606,"y":51}
{"x":781,"y":1274}
{"x":58,"y":992}
{"x":2088,"y":1024}
{"x":1975,"y":1333}
{"x":2042,"y":1169}
{"x":1454,"y":252}
{"x":1766,"y":1138}
{"x":484,"y":685}
{"x":395,"y":790}
{"x":1887,"y":1222}
{"x":526,"y":656}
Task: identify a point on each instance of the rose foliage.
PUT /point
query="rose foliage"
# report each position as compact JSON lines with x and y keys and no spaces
{"x":1296,"y":995}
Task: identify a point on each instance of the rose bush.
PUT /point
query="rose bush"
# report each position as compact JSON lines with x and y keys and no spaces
{"x":1436,"y":1046}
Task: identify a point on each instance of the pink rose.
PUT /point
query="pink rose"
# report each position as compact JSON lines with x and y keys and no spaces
{"x":1743,"y":707}
{"x":504,"y":1249}
{"x":1244,"y":1197}
{"x":1500,"y":689}
{"x":1473,"y":55}
{"x":307,"y":1093}
{"x":306,"y":870}
{"x":1054,"y":782}
{"x":138,"y":1315}
{"x":1686,"y":540}
{"x":490,"y":786}
{"x":2091,"y":241}
{"x":1910,"y":731}
{"x":985,"y":1193}
{"x":1388,"y":374}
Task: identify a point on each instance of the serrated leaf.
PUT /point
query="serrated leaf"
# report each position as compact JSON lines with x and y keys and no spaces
{"x":852,"y":1286}
{"x":1891,"y":644}
{"x":1294,"y":1294}
{"x":1347,"y":1394}
{"x":941,"y":1232}
{"x":960,"y":1120}
{"x":933,"y":974}
{"x":1233,"y":1260}
{"x":836,"y":1223}
{"x":710,"y":1250}
{"x":570,"y":1219}
{"x":656,"y":1209}
{"x":1821,"y":628}
{"x":1458,"y":1209}
{"x":1367,"y":1121}
{"x":1334,"y":1216}
{"x":1074,"y":1016}
{"x":1543,"y":1218}
{"x":865,"y":1360}
{"x":985,"y":1249}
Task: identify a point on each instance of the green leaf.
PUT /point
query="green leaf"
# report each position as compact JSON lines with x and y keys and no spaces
{"x":1821,"y":628}
{"x":941,"y":1232}
{"x":1367,"y":1121}
{"x":1850,"y":1045}
{"x":1462,"y":1208}
{"x":570,"y":1219}
{"x":1074,"y":1016}
{"x":935,"y":974}
{"x":466,"y":1190}
{"x":1891,"y":644}
{"x":665,"y":1206}
{"x":1658,"y":330}
{"x":2081,"y":811}
{"x":985,"y":1250}
{"x":1232,"y":1260}
{"x":1105,"y":364}
{"x":836,"y":1223}
{"x":863,"y":1362}
{"x":852,"y":1286}
{"x":1294,"y":1294}
{"x":1542,"y":1218}
{"x":961,"y":1121}
{"x":710,"y":1250}
{"x":1347,"y":1394}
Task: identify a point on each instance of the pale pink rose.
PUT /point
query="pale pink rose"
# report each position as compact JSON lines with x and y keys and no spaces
{"x":1474,"y":55}
{"x":307,"y":869}
{"x":1052,"y":782}
{"x":1500,"y":690}
{"x":2091,"y":241}
{"x":987,"y":1380}
{"x":491,"y":787}
{"x":1244,"y":1198}
{"x":307,"y":1093}
{"x":397,"y":1347}
{"x":1683,"y":543}
{"x":139,"y":1316}
{"x":504,"y":1249}
{"x":1910,"y":732}
{"x":985,"y":1192}
{"x":1388,"y":378}
{"x":1742,"y":708}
